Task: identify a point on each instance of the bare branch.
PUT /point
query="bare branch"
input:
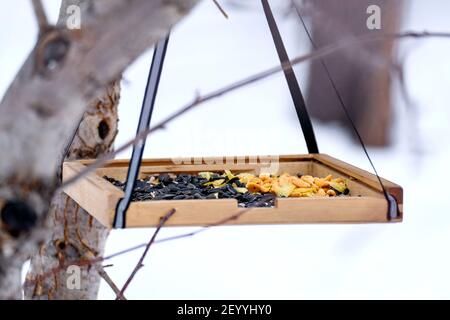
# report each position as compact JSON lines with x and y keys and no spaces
{"x":101,"y":271}
{"x":140,"y":263}
{"x":321,"y":52}
{"x":205,"y":228}
{"x":41,"y":17}
{"x":220,"y":9}
{"x":88,"y":262}
{"x":371,"y":57}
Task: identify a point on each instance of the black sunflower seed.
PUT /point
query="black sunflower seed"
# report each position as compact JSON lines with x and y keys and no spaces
{"x":215,"y":176}
{"x":165,"y":178}
{"x":166,"y":196}
{"x":233,"y":180}
{"x":231,"y":190}
{"x":186,"y":186}
{"x":239,"y":184}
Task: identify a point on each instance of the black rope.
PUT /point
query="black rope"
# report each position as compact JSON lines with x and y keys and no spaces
{"x":144,"y":123}
{"x":392,"y":203}
{"x":67,"y":148}
{"x":294,"y":88}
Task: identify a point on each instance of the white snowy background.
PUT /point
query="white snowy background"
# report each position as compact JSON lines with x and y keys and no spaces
{"x":206,"y":51}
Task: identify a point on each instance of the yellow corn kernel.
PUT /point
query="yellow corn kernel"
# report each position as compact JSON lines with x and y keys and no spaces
{"x":321,"y":183}
{"x":300,"y":183}
{"x":309,"y":179}
{"x":331,"y":193}
{"x":265,"y":187}
{"x":253,"y":187}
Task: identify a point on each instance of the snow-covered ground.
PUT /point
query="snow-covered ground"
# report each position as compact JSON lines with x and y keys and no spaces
{"x":408,"y":260}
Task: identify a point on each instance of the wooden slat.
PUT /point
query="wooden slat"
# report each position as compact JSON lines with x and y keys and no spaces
{"x":120,"y":163}
{"x":333,"y":210}
{"x":287,"y":211}
{"x":290,"y":167}
{"x":188,"y":212}
{"x":93,"y":193}
{"x":361,"y":175}
{"x":356,"y":187}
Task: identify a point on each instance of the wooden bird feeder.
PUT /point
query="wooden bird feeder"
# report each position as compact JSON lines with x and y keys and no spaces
{"x":365,"y":203}
{"x":371,"y":198}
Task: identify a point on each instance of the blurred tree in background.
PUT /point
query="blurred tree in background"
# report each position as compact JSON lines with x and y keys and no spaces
{"x":363,"y":74}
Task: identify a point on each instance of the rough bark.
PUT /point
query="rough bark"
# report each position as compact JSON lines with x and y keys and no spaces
{"x":44,"y":104}
{"x":75,"y":234}
{"x":364,"y":84}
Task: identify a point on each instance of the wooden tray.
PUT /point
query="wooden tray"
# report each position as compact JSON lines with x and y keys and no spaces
{"x":366,"y":202}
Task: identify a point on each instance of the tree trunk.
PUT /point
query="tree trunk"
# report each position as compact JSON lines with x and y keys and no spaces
{"x":43,"y":106}
{"x":363,"y":82}
{"x":75,"y":234}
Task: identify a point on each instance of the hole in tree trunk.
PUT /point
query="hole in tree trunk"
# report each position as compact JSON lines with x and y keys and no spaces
{"x":61,"y":245}
{"x":103,"y":129}
{"x":17,"y":217}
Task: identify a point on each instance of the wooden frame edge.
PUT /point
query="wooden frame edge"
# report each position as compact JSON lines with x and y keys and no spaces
{"x":98,"y":195}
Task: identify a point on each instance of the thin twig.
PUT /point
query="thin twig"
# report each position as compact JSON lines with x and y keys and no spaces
{"x":183,"y":235}
{"x":220,"y":9}
{"x":89,"y":262}
{"x":41,"y":17}
{"x":370,"y":57}
{"x":101,"y":271}
{"x":205,"y":228}
{"x":140,"y":263}
{"x":373,"y":58}
{"x":342,"y":104}
{"x":324,"y":51}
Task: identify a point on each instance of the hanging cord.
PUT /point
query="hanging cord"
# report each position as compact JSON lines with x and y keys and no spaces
{"x":294,"y":88}
{"x":144,"y":123}
{"x":67,"y":148}
{"x":392,"y":202}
